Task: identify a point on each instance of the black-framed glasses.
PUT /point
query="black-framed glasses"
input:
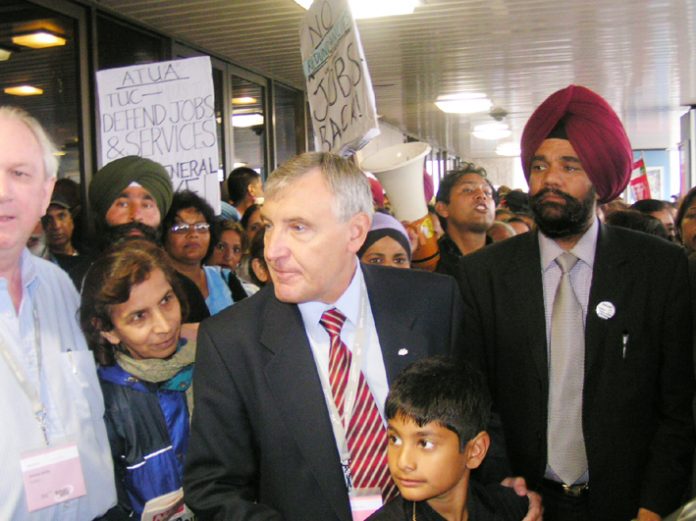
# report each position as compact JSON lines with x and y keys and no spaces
{"x":184,"y":228}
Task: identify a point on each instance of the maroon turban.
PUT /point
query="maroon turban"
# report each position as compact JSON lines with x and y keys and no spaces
{"x":594,"y":130}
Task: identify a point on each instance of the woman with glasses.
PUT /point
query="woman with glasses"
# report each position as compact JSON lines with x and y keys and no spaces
{"x":187,"y":240}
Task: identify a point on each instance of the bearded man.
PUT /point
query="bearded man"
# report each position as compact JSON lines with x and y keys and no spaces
{"x":584,"y":330}
{"x":130,"y":196}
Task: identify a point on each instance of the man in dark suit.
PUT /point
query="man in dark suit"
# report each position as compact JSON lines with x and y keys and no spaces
{"x":597,"y":420}
{"x":268,"y":439}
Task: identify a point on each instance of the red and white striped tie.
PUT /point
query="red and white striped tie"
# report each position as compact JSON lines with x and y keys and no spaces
{"x":366,"y":435}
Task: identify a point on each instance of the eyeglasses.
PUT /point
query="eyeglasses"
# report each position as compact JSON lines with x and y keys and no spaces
{"x":224,"y":247}
{"x":184,"y":228}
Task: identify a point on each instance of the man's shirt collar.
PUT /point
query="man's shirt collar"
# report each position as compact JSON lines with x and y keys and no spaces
{"x":584,"y":249}
{"x":348,"y":303}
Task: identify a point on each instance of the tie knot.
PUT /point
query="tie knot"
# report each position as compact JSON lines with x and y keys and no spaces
{"x":332,"y":320}
{"x":566,"y":261}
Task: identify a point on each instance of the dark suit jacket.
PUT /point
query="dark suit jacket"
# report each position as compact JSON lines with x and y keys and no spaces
{"x":636,"y":409}
{"x":261,"y":441}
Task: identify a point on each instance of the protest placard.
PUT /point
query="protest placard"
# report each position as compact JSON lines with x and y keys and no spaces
{"x":163,"y":111}
{"x":341,"y":99}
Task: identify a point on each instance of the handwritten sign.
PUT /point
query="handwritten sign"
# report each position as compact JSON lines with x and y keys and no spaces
{"x":341,"y":99}
{"x":163,"y":111}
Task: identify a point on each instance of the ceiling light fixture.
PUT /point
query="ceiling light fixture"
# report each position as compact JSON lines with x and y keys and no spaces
{"x":464,"y":103}
{"x":39,"y":40}
{"x":492,"y":131}
{"x":243,"y":100}
{"x":247,"y":120}
{"x":362,"y":9}
{"x":5,"y":54}
{"x":23,"y":90}
{"x":508,"y":149}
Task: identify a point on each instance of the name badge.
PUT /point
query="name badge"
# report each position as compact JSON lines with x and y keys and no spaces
{"x":363,"y":507}
{"x":52,"y":476}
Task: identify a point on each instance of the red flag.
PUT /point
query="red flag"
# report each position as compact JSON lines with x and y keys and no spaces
{"x":639,"y":181}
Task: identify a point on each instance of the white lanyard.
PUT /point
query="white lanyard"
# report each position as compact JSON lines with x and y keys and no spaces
{"x":38,"y":408}
{"x":340,"y":423}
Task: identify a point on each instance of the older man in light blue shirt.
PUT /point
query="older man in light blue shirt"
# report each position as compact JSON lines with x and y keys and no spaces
{"x":55,"y":454}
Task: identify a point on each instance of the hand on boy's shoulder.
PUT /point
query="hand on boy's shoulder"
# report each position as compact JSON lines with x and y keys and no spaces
{"x":519,"y":485}
{"x":505,"y":503}
{"x":536,"y":508}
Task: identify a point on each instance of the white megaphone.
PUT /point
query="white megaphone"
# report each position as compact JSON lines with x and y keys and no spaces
{"x":399,"y":169}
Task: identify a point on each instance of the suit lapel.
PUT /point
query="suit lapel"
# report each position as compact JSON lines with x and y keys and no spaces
{"x":524,"y":285}
{"x":394,"y":321}
{"x":294,"y":382}
{"x":608,"y":284}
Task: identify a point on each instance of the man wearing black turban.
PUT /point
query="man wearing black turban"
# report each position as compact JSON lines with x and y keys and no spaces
{"x":605,"y":308}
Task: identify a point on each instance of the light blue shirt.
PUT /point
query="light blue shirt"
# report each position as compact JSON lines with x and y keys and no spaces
{"x":69,"y":389}
{"x":219,"y":294}
{"x":372,"y":365}
{"x":229,"y":212}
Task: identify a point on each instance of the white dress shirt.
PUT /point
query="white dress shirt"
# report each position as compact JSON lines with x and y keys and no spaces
{"x":372,"y":365}
{"x":69,"y":390}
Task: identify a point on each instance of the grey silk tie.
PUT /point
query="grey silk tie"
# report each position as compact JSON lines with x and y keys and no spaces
{"x":688,"y":513}
{"x":566,"y":445}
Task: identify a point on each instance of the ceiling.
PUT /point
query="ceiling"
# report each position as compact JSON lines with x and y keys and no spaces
{"x":639,"y":54}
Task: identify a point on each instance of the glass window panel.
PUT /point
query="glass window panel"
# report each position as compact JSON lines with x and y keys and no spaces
{"x":311,"y":143}
{"x":289,"y":123}
{"x":54,"y":70}
{"x":248,"y":113}
{"x":120,"y":45}
{"x":217,"y":88}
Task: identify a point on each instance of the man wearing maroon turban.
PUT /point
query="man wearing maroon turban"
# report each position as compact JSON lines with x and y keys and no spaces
{"x":584,"y":330}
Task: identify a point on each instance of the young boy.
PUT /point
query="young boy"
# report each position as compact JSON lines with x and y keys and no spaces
{"x":437,"y":412}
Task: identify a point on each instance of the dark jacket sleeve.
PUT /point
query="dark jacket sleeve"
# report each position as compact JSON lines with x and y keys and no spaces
{"x":669,"y":463}
{"x":197,"y":308}
{"x":116,"y":445}
{"x":221,"y":472}
{"x":496,"y":466}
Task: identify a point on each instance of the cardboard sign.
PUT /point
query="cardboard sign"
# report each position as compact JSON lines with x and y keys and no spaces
{"x":163,"y":111}
{"x":341,"y":100}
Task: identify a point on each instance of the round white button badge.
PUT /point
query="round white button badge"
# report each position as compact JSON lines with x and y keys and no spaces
{"x":605,"y":310}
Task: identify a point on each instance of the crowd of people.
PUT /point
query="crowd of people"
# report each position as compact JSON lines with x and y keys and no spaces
{"x":270,"y":362}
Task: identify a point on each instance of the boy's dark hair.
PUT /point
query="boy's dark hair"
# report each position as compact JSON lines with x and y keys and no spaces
{"x":437,"y":389}
{"x":238,"y":182}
